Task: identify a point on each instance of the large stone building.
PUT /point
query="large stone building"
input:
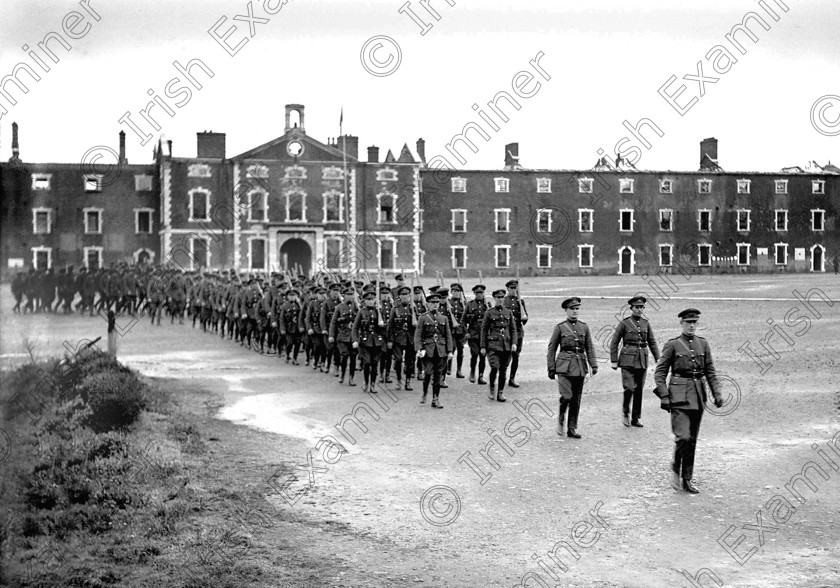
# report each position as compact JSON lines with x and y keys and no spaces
{"x":300,"y":204}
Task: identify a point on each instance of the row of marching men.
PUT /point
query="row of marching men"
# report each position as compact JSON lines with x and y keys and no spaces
{"x":343,"y":327}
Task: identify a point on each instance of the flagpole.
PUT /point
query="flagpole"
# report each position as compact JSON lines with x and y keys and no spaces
{"x":346,"y":192}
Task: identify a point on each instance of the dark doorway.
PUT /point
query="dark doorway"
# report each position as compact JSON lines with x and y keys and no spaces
{"x":296,"y":254}
{"x":817,"y":259}
{"x":626,"y":261}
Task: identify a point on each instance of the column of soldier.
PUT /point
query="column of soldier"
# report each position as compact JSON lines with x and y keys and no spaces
{"x":336,"y":324}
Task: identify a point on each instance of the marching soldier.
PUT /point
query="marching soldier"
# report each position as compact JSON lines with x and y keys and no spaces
{"x":368,"y":336}
{"x":444,"y":309}
{"x":17,"y":291}
{"x":498,"y":340}
{"x":637,"y":335}
{"x":327,"y":312}
{"x":689,"y":359}
{"x":569,"y":350}
{"x":288,"y":321}
{"x":341,"y":334}
{"x":386,"y":303}
{"x":471,"y":321}
{"x":312,"y":320}
{"x":401,"y":326}
{"x":516,"y":305}
{"x":459,"y":333}
{"x":433,"y":342}
{"x":419,"y":310}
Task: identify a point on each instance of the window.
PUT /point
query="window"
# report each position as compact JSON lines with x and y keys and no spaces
{"x":295,"y":207}
{"x":93,"y":221}
{"x":386,"y":175}
{"x":334,"y":253}
{"x":386,"y":204}
{"x":93,"y":183}
{"x":387,"y":254}
{"x":704,"y":220}
{"x":743,"y":254}
{"x":781,"y":220}
{"x":543,"y":185}
{"x":780,"y":253}
{"x":198,"y":170}
{"x":459,"y":220}
{"x":258,"y":206}
{"x":666,"y":220}
{"x":332,"y":173}
{"x":42,"y":221}
{"x":199,"y":253}
{"x":817,"y":187}
{"x":459,"y":257}
{"x":704,"y":255}
{"x":666,"y":255}
{"x":142,"y":183}
{"x":585,"y":255}
{"x":333,"y":207}
{"x":93,"y":257}
{"x":704,"y":186}
{"x":199,"y":205}
{"x":256,"y":253}
{"x":666,"y":186}
{"x":625,"y":185}
{"x":502,"y":185}
{"x":817,"y":220}
{"x":143,"y":221}
{"x":544,"y":221}
{"x":585,"y":220}
{"x":258,"y":170}
{"x":743,"y":221}
{"x":295,"y":172}
{"x":41,"y":182}
{"x":502,"y":256}
{"x":744,"y":186}
{"x":42,"y":257}
{"x":626,"y":219}
{"x":459,"y":184}
{"x":585,"y":185}
{"x":502,"y":220}
{"x":543,"y":256}
{"x":781,"y":186}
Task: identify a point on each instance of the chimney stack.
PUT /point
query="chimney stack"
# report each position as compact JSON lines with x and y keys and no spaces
{"x":421,"y":150}
{"x":122,"y":148}
{"x":210,"y":145}
{"x":15,"y":147}
{"x":349,"y":145}
{"x":373,"y":154}
{"x":511,"y":156}
{"x":709,"y":151}
{"x":169,"y":143}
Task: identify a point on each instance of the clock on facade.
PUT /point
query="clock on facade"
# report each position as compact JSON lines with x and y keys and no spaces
{"x":295,"y":148}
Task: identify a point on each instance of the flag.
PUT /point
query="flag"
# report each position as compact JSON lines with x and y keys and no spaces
{"x":341,"y":120}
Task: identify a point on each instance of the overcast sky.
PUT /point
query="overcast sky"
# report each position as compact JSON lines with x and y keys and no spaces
{"x":606,"y":60}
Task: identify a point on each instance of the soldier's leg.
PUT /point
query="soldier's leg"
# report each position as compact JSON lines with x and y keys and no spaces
{"x":628,"y":383}
{"x":639,"y":376}
{"x":343,"y":358}
{"x":564,"y":389}
{"x":329,"y":351}
{"x":375,"y":359}
{"x":514,"y":363}
{"x":694,"y":416}
{"x":397,"y":352}
{"x":428,"y":371}
{"x":459,"y":357}
{"x":296,"y":347}
{"x":504,"y":362}
{"x":574,"y":403}
{"x":473,"y":358}
{"x":352,"y":365}
{"x":681,"y":427}
{"x":364,"y":356}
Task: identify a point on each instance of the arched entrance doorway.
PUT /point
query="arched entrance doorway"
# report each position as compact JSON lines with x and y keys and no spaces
{"x":817,"y":258}
{"x":296,"y":254}
{"x":626,"y":261}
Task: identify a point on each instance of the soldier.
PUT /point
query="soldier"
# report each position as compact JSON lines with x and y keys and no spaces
{"x":419,"y":310}
{"x":386,"y":303}
{"x":637,"y":335}
{"x":17,"y":290}
{"x":289,"y":320}
{"x":471,"y":321}
{"x":341,"y":334}
{"x":433,"y":342}
{"x":312,"y":321}
{"x":459,"y":332}
{"x":48,"y":290}
{"x":327,"y":311}
{"x":516,"y":306}
{"x":689,"y":359}
{"x":498,"y":339}
{"x":368,"y":336}
{"x":569,"y":350}
{"x":155,"y":294}
{"x":401,"y":325}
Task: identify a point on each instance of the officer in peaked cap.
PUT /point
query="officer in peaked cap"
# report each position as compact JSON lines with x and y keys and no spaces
{"x":459,"y":332}
{"x":471,"y":322}
{"x":516,"y":305}
{"x":498,"y":342}
{"x":689,"y":359}
{"x":433,"y":342}
{"x":570,"y":349}
{"x":637,"y":335}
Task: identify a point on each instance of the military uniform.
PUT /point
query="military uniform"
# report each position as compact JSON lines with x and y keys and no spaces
{"x":312,"y":322}
{"x":433,"y":341}
{"x":498,"y":336}
{"x":471,"y":321}
{"x":386,"y":304}
{"x":401,"y":327}
{"x":570,"y":349}
{"x":289,"y":322}
{"x":637,"y":336}
{"x":368,"y":335}
{"x":341,"y":334}
{"x":459,"y":333}
{"x":327,"y":312}
{"x":516,"y":305}
{"x":689,"y":359}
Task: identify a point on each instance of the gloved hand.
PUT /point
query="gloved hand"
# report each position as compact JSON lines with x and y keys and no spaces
{"x":665,"y":404}
{"x":355,"y":344}
{"x":718,"y":402}
{"x":615,"y":365}
{"x":551,"y":374}
{"x":421,"y":354}
{"x":594,"y":369}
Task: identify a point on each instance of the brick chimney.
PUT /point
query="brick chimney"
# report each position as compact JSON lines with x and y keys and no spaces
{"x":709,"y":151}
{"x":15,"y":147}
{"x":122,"y":148}
{"x":421,"y":150}
{"x":512,"y":156}
{"x":211,"y":145}
{"x":349,"y":145}
{"x":373,"y":154}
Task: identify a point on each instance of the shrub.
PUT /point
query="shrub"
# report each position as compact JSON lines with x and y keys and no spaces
{"x":115,"y":399}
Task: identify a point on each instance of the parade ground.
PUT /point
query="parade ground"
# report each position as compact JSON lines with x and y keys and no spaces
{"x":483,"y":493}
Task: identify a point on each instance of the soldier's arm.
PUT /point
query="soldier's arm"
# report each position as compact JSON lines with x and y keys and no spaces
{"x":654,"y":348}
{"x":618,"y":334}
{"x":484,"y":326}
{"x":334,"y":324}
{"x":514,"y":331}
{"x":389,"y":330}
{"x":662,"y":367}
{"x":325,"y":327}
{"x":711,"y":374}
{"x":418,"y":332}
{"x":450,"y":343}
{"x":551,"y":355}
{"x":465,"y":318}
{"x":590,"y":349}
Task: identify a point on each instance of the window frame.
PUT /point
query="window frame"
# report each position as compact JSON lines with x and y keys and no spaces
{"x":288,"y":207}
{"x":738,"y":248}
{"x":738,"y":212}
{"x":453,"y":213}
{"x":670,"y":248}
{"x":453,"y":258}
{"x":540,"y":213}
{"x":783,"y":184}
{"x":86,"y":250}
{"x":662,"y":189}
{"x":627,"y":182}
{"x":507,"y":212}
{"x":541,"y":248}
{"x":197,"y":170}
{"x":591,"y":249}
{"x":100,"y":222}
{"x":704,"y":182}
{"x":621,"y":212}
{"x":329,"y":195}
{"x":814,"y":212}
{"x":39,"y":176}
{"x":670,"y":228}
{"x":496,"y":249}
{"x":818,"y":187}
{"x":545,"y":188}
{"x":379,"y":199}
{"x":591,"y":212}
{"x":42,"y":209}
{"x":151,"y":213}
{"x":38,"y":249}
{"x":704,"y":247}
{"x":394,"y":262}
{"x":501,"y":185}
{"x":776,"y":247}
{"x":743,"y":186}
{"x":700,"y":220}
{"x":96,"y":179}
{"x":192,"y":242}
{"x":251,"y":253}
{"x":582,"y":182}
{"x":776,"y":213}
{"x":264,"y":208}
{"x":458,"y":185}
{"x":192,"y":193}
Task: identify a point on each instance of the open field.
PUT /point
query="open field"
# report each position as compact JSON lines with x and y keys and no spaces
{"x":358,"y":515}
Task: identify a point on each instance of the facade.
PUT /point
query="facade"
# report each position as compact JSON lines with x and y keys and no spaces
{"x":298,"y":204}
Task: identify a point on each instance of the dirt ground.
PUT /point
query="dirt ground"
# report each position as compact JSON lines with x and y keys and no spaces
{"x":395,"y":507}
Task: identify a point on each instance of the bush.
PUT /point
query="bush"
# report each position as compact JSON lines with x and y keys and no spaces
{"x":115,"y":399}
